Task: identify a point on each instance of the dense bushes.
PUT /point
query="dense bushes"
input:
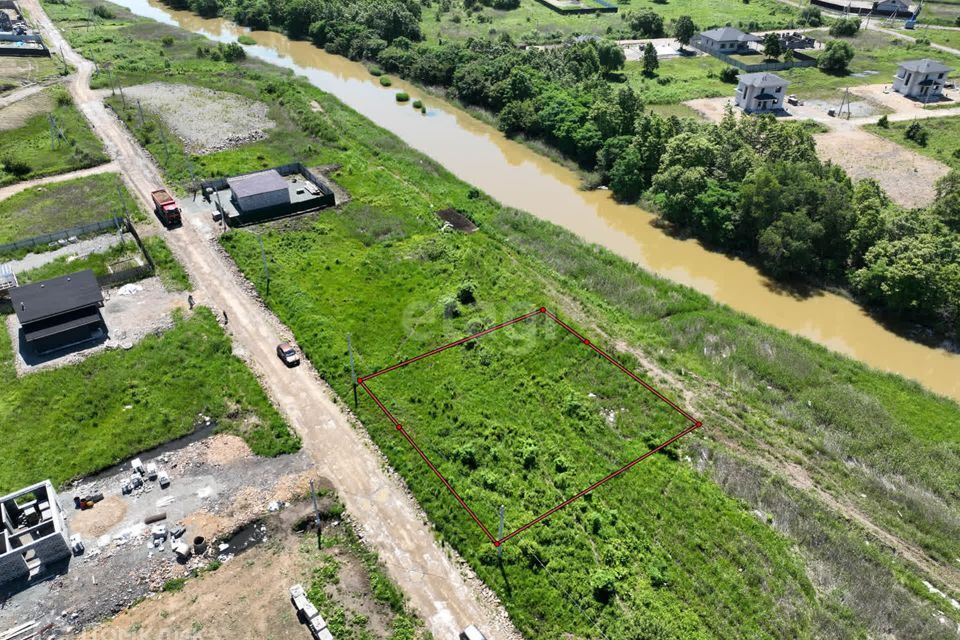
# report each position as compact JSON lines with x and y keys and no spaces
{"x":836,"y":56}
{"x":845,"y":27}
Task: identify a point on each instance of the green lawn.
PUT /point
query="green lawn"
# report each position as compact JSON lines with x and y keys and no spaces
{"x":117,"y":403}
{"x":943,"y":141}
{"x":28,"y":151}
{"x":946,"y":37}
{"x":99,"y":263}
{"x":62,"y":205}
{"x":940,"y":12}
{"x":534,"y":23}
{"x":702,"y":542}
{"x":680,"y":79}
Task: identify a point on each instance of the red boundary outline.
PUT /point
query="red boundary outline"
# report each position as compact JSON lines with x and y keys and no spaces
{"x":695,"y":424}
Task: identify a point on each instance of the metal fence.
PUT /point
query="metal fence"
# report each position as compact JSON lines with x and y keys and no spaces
{"x":125,"y":275}
{"x":762,"y":66}
{"x":47,"y":238}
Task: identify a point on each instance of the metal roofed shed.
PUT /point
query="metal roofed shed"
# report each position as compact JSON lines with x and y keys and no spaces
{"x":61,"y":312}
{"x":257,"y":191}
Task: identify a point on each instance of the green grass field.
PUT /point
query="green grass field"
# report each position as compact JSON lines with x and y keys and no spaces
{"x":62,"y":205}
{"x":946,"y":37}
{"x":705,"y":542}
{"x":34,"y":154}
{"x":680,"y":79}
{"x":534,"y":23}
{"x":940,"y":12}
{"x":117,"y":403}
{"x":19,"y":72}
{"x":943,"y":141}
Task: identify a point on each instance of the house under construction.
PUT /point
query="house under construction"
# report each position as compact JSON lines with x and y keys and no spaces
{"x":33,"y":535}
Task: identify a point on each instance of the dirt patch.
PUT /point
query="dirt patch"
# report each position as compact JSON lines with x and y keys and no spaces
{"x":17,"y":114}
{"x":457,"y":220}
{"x":99,"y":520}
{"x":224,"y":449}
{"x":906,"y":176}
{"x":204,"y":120}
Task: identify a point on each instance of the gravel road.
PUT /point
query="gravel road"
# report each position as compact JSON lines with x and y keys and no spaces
{"x":98,"y":244}
{"x":441,"y":589}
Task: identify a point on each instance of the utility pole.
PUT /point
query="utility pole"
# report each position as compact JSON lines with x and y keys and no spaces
{"x":353,"y":372}
{"x":316,"y":511}
{"x":140,"y":109}
{"x":263,"y":256}
{"x":123,"y":98}
{"x":500,"y":535}
{"x":163,"y":137}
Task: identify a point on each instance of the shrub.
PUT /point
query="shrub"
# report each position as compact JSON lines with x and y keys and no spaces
{"x":403,"y":96}
{"x":883,"y":122}
{"x":917,"y":133}
{"x":845,"y":27}
{"x":385,"y":81}
{"x":836,"y":55}
{"x":61,"y":97}
{"x":232,"y":52}
{"x":18,"y":168}
{"x":174,"y":584}
{"x":103,"y":11}
{"x":811,"y":16}
{"x":375,"y":71}
{"x":245,"y":39}
{"x":167,"y":41}
{"x":418,"y":104}
{"x":729,"y":74}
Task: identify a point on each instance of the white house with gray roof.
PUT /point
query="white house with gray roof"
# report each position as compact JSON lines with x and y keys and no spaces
{"x":760,"y":92}
{"x":725,"y":40}
{"x":921,"y":79}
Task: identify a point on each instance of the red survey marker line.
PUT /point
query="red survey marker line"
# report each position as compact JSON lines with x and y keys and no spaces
{"x":597,"y":484}
{"x":362,"y":381}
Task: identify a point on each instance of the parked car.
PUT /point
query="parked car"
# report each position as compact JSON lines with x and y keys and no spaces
{"x":472,"y":633}
{"x":288,"y":354}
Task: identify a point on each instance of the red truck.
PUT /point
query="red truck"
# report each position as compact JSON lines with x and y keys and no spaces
{"x":166,"y":207}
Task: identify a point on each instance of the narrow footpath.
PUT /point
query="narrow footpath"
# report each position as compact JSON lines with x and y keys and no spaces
{"x":441,"y":589}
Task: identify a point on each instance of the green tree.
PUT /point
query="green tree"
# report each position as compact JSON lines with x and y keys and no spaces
{"x":946,"y":207}
{"x":788,"y":247}
{"x":645,"y":23}
{"x":683,"y":30}
{"x":917,"y":133}
{"x":610,"y":56}
{"x":811,"y":16}
{"x":836,"y":57}
{"x":771,"y":46}
{"x":650,"y":61}
{"x":845,"y":27}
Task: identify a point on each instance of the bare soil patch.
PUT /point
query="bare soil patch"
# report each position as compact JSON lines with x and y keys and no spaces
{"x":225,"y":448}
{"x":906,"y":176}
{"x":204,"y":120}
{"x":457,"y":220}
{"x":17,"y":114}
{"x":95,"y":522}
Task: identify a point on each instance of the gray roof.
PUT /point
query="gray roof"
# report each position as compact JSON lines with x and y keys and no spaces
{"x":256,"y":183}
{"x":925,"y":65}
{"x":55,"y":297}
{"x":729,"y":34}
{"x":762,"y":80}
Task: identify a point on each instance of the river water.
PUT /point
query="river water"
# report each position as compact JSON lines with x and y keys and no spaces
{"x":519,"y":177}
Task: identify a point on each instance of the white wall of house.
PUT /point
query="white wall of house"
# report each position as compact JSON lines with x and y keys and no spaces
{"x":747,"y":98}
{"x":919,"y":85}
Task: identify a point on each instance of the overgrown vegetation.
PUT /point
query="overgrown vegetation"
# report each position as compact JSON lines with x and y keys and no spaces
{"x":40,"y":149}
{"x":117,"y":403}
{"x":938,"y":138}
{"x":662,"y":552}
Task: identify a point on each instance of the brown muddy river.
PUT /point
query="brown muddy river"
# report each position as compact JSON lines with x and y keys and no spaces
{"x":519,"y":177}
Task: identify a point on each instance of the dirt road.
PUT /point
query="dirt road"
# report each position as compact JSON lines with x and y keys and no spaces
{"x":446,"y":595}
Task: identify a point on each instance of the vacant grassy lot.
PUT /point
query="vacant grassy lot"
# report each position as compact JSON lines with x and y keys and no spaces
{"x":18,"y":72}
{"x":680,"y":79}
{"x":534,"y":23}
{"x":28,"y":151}
{"x":704,"y":543}
{"x":946,"y":37}
{"x":62,"y":205}
{"x":117,"y":403}
{"x":943,"y":141}
{"x":941,"y":12}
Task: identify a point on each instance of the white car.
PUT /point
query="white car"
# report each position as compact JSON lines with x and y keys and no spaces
{"x":288,"y":354}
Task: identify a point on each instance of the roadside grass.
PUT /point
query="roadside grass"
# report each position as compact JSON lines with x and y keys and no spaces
{"x":943,"y":141}
{"x":99,"y":263}
{"x":62,"y":205}
{"x":533,"y":23}
{"x":19,"y":72}
{"x":171,"y":272}
{"x":679,"y":79}
{"x":946,"y":37}
{"x":663,"y":550}
{"x":30,"y":146}
{"x":117,"y":403}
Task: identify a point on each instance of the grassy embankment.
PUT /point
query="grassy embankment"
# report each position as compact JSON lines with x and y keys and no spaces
{"x":664,"y":549}
{"x":943,"y":140}
{"x":26,"y":152}
{"x":534,"y":23}
{"x":117,"y":403}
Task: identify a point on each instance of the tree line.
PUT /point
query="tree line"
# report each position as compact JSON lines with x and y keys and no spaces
{"x":752,"y":186}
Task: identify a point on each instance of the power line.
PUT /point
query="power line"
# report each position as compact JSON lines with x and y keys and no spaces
{"x":563,"y":592}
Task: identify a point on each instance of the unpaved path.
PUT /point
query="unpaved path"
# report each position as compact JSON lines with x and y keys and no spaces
{"x":442,"y":591}
{"x":110,"y":167}
{"x":20,"y":94}
{"x":97,"y":244}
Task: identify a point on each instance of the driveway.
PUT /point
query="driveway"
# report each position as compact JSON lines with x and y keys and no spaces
{"x":441,"y":589}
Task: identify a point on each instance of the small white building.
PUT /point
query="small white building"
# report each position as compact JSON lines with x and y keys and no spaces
{"x":921,"y":79}
{"x":725,"y":40}
{"x":760,"y":92}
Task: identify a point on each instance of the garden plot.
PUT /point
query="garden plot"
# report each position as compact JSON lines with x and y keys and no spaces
{"x":204,"y":120}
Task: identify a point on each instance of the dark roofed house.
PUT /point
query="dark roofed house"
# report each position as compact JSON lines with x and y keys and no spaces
{"x":725,"y":40}
{"x":259,"y":191}
{"x":61,"y":312}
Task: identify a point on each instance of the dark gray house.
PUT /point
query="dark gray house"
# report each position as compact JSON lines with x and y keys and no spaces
{"x":258,"y":191}
{"x":725,"y":40}
{"x":61,"y":312}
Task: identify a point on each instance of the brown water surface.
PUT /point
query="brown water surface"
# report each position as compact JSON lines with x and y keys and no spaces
{"x":518,"y":177}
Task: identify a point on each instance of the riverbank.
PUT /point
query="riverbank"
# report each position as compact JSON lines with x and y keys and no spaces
{"x":384,"y":273}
